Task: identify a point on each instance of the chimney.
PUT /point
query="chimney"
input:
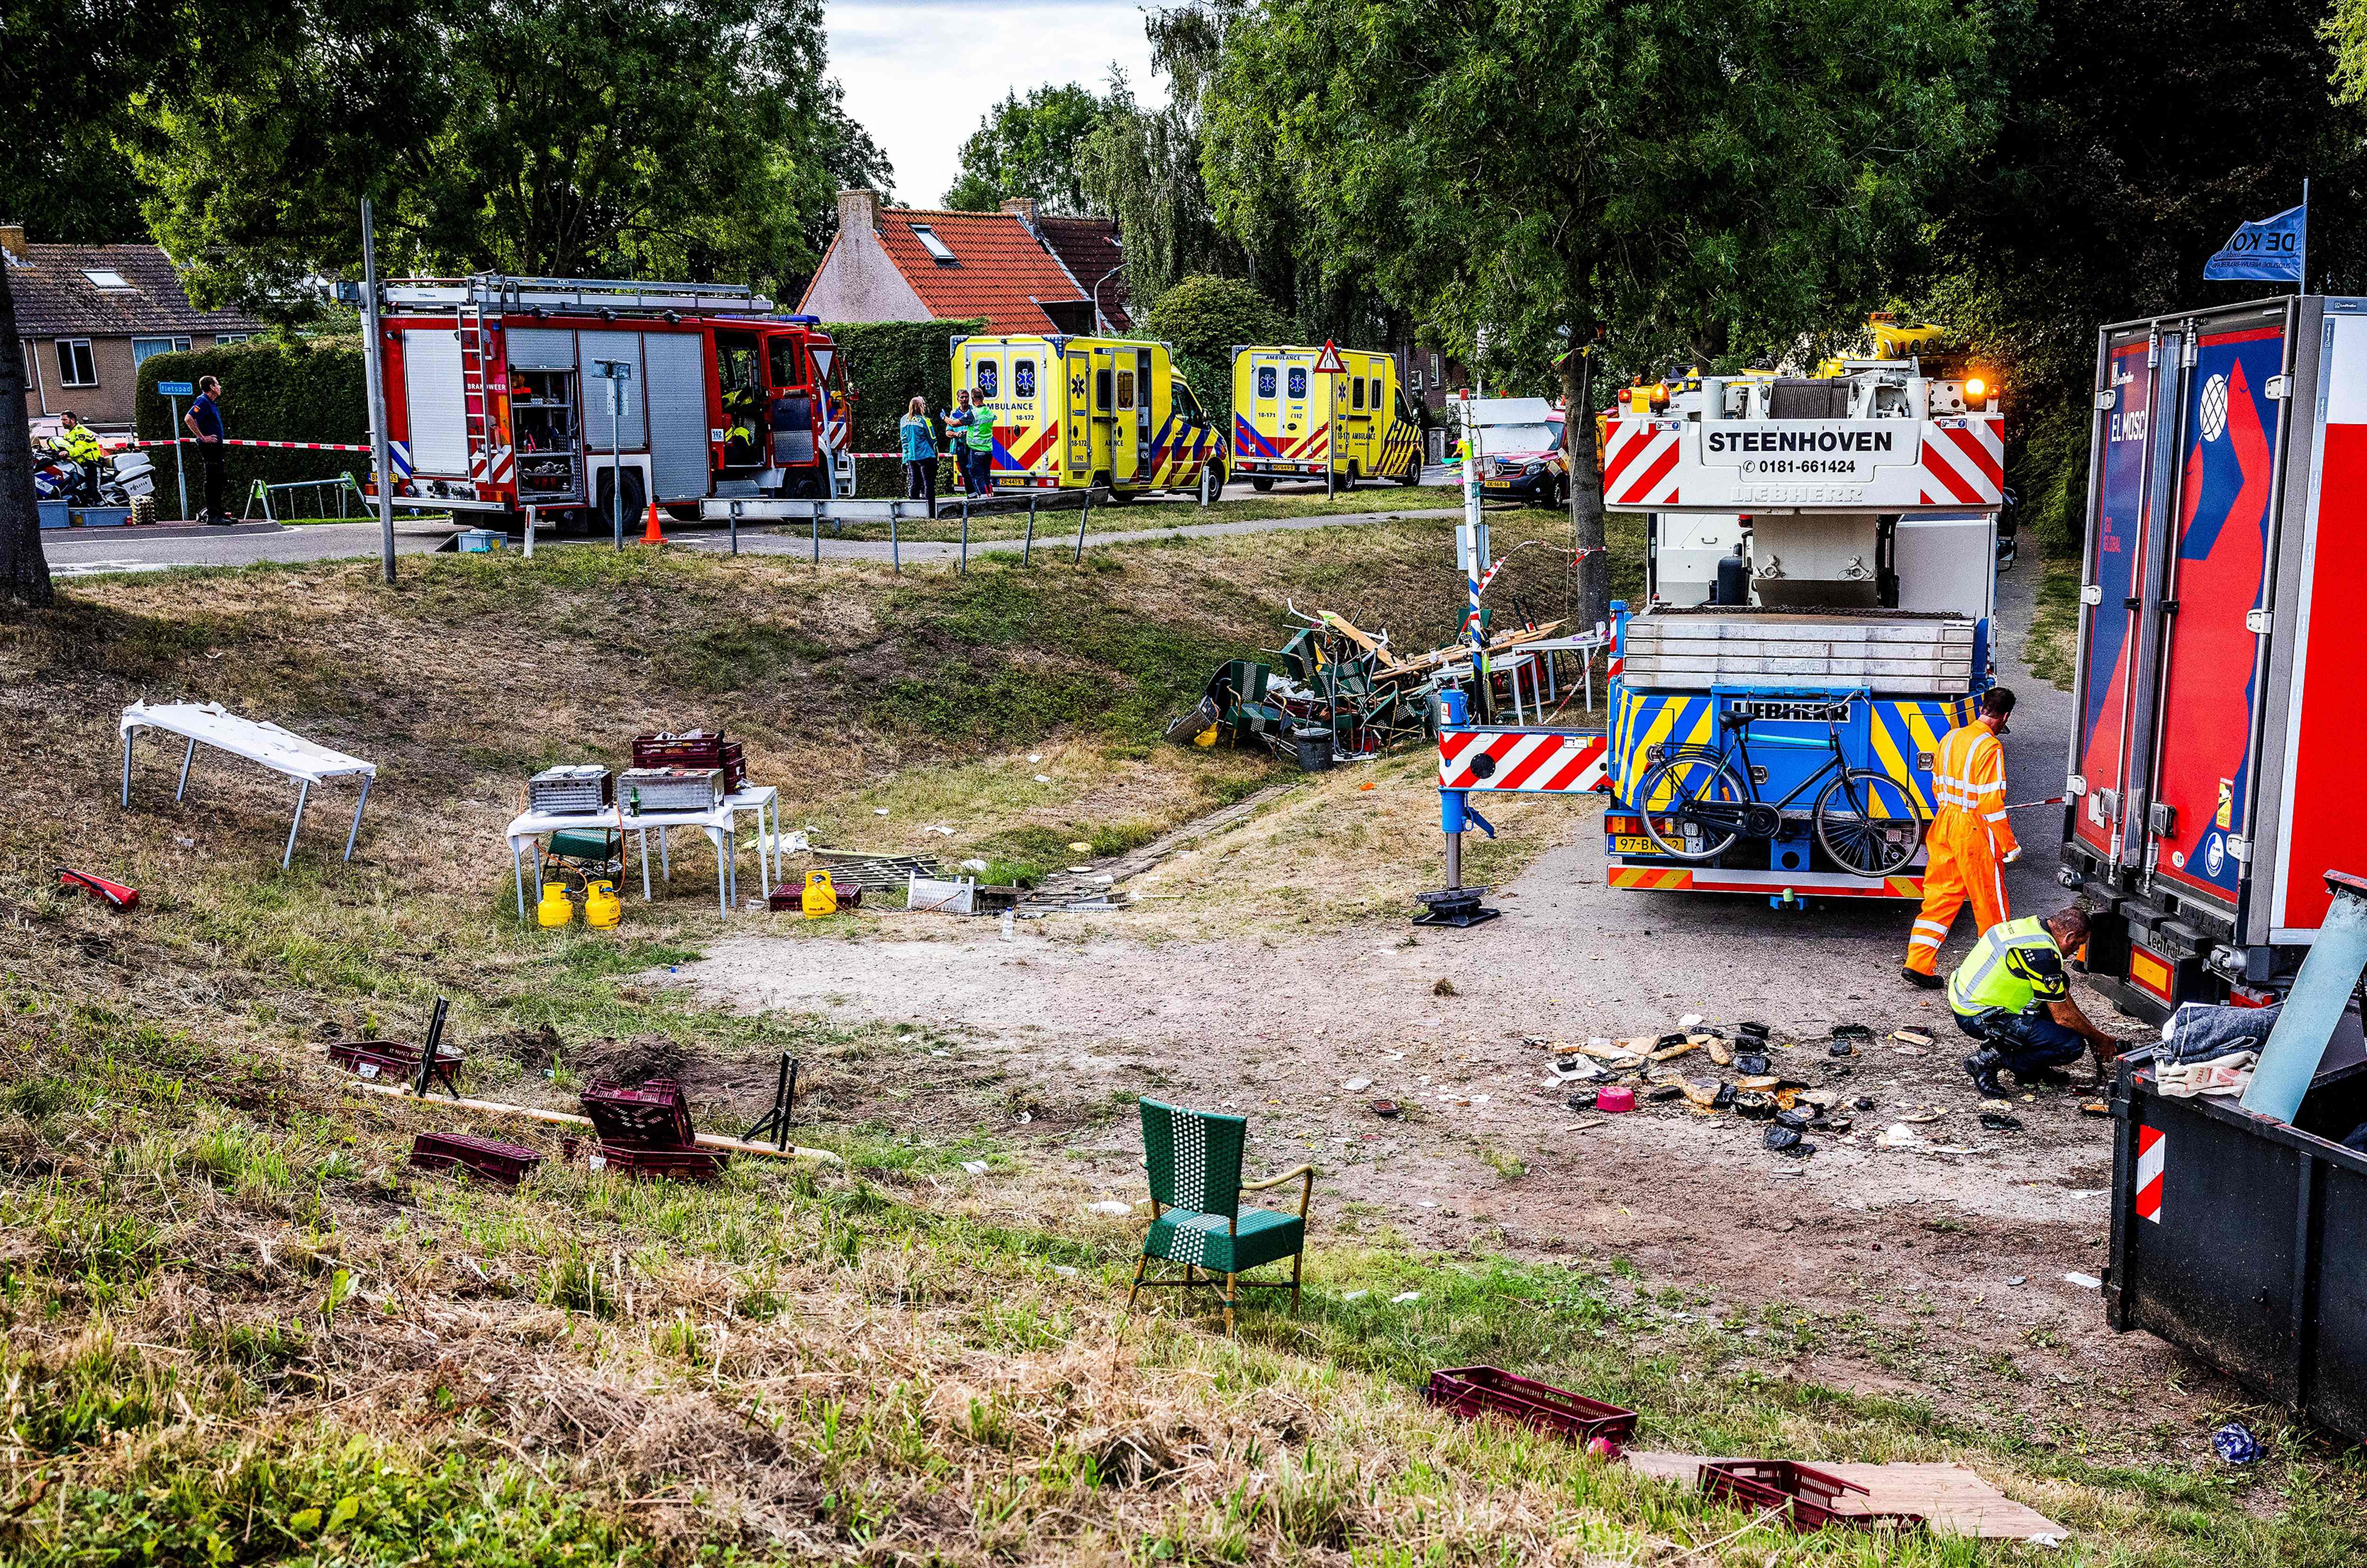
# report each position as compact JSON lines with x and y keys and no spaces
{"x":858,"y":211}
{"x":12,"y":240}
{"x":1024,"y":208}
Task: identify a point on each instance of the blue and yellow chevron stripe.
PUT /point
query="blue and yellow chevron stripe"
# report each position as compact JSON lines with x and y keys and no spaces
{"x":1901,"y":734}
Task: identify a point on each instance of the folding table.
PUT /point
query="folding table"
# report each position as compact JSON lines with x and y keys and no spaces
{"x":308,"y":762}
{"x":527,"y":828}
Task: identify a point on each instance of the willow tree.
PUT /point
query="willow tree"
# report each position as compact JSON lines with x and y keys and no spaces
{"x":1705,"y":179}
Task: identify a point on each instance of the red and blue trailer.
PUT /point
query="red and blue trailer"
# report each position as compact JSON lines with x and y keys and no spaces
{"x":2212,"y":773}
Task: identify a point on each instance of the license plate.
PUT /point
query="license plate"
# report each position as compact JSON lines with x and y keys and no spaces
{"x":1633,"y":844}
{"x":1495,"y":484}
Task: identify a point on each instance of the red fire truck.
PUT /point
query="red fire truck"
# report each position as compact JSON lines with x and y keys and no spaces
{"x":576,"y":401}
{"x":2214,"y":770}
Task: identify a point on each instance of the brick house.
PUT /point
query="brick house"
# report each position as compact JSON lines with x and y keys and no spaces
{"x":1022,"y":272}
{"x":87,"y":315}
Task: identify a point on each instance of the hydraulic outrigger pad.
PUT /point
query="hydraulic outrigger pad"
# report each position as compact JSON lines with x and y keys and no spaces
{"x":1458,"y":908}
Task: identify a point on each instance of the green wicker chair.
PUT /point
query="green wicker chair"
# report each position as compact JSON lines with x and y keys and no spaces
{"x":1194,"y":1158}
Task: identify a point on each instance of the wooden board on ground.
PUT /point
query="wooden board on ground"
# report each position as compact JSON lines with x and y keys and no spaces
{"x":1954,"y":1499}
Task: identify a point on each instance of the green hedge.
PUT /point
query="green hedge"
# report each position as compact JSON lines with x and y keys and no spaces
{"x":891,"y":363}
{"x":306,"y":389}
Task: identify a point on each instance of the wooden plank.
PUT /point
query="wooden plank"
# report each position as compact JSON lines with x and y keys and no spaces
{"x":1953,"y":1498}
{"x":567,"y":1118}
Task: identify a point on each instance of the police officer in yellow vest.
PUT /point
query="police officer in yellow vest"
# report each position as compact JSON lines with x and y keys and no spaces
{"x":2012,"y":994}
{"x":77,"y":441}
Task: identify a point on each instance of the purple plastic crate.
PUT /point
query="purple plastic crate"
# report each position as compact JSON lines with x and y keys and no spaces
{"x":1477,"y":1391}
{"x":687,"y":1165}
{"x":503,"y":1162}
{"x":654,"y":1115}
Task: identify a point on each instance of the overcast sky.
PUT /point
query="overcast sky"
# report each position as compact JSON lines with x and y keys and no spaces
{"x":920,"y":73}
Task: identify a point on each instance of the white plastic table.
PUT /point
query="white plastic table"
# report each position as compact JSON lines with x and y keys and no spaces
{"x":308,"y":762}
{"x":527,"y":828}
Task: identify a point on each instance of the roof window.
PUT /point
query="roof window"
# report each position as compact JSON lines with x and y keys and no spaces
{"x":934,"y":246}
{"x":104,"y":277}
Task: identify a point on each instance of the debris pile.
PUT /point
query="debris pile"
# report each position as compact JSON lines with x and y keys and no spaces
{"x":1333,"y":691}
{"x":1615,"y":1076}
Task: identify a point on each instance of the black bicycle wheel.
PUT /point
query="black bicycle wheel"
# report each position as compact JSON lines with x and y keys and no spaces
{"x":1869,"y":823}
{"x":1692,"y":807}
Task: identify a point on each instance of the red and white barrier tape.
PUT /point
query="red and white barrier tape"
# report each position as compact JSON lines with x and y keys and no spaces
{"x":281,"y":445}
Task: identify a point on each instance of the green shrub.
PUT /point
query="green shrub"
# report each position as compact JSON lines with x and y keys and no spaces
{"x":1202,"y":319}
{"x":273,"y":388}
{"x":889,"y":363}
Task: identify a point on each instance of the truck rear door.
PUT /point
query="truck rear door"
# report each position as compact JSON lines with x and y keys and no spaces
{"x":1127,"y":445}
{"x":2113,"y":728}
{"x":1261,"y":412}
{"x":2219,"y":536}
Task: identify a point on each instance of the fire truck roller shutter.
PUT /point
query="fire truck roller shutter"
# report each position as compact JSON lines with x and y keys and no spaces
{"x":438,"y":405}
{"x":677,"y":414}
{"x":634,"y":433}
{"x":541,"y":348}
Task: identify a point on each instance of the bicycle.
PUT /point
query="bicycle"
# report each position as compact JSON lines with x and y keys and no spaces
{"x":1868,"y":822}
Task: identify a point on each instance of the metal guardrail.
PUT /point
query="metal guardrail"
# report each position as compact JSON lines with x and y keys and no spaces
{"x":842,"y":510}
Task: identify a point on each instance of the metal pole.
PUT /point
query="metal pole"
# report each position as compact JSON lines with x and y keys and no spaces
{"x":377,"y":387}
{"x":817,"y":532}
{"x":895,"y":550}
{"x":2301,"y":265}
{"x":963,"y":571}
{"x":617,"y":458}
{"x":1027,"y":549}
{"x":1083,"y":512}
{"x":180,"y":464}
{"x":736,"y":527}
{"x":532,"y":514}
{"x":1475,"y":563}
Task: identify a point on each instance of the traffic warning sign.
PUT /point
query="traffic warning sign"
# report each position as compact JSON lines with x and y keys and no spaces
{"x":1328,"y":362}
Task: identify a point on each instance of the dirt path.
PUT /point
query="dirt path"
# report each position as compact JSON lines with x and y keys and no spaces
{"x":1941,"y":1272}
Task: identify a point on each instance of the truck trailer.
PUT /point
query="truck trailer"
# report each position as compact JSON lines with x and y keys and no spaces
{"x":1823,"y":575}
{"x":2211,"y":786}
{"x":582,"y":401}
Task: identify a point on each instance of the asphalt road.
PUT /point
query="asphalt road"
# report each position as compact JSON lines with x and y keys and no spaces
{"x":80,"y":552}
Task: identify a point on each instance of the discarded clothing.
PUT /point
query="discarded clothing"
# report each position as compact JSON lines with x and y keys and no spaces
{"x":2197,"y":1032}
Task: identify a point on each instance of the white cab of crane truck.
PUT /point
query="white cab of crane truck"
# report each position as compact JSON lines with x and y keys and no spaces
{"x":1864,"y":501}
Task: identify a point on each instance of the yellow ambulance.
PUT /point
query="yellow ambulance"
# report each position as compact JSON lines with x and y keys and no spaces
{"x":1074,"y":412}
{"x":1292,"y":418}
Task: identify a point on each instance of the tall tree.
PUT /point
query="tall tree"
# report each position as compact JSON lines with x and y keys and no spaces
{"x":1141,"y":166}
{"x":1709,"y":178}
{"x":695,"y":137}
{"x":1029,"y":147}
{"x":61,"y":62}
{"x":2132,"y":142}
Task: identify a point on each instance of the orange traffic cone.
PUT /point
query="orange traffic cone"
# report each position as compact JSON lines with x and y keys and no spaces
{"x":652,"y":534}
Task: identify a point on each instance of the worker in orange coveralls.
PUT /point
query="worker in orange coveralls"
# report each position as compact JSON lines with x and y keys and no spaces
{"x":1970,"y":843}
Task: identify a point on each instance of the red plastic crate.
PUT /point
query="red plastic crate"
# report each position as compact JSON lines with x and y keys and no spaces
{"x":503,"y":1162}
{"x":1803,"y":1495}
{"x":685,"y":1164}
{"x":654,"y":1115}
{"x":1477,"y":1391}
{"x":694,"y":748}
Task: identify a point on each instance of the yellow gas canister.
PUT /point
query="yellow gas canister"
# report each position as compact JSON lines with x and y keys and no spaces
{"x":556,"y":908}
{"x":821,"y":897}
{"x":602,"y":910}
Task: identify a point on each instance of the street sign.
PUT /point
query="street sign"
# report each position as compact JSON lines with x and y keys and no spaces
{"x":822,"y":358}
{"x":175,"y":389}
{"x":1328,"y":362}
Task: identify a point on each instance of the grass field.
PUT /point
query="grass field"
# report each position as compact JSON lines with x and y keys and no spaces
{"x":241,"y":1329}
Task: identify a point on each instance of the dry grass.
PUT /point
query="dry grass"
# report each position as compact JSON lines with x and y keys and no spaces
{"x":240,"y":1329}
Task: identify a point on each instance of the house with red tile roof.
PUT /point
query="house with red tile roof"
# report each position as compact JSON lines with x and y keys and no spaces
{"x":87,"y":315}
{"x":1021,"y":272}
